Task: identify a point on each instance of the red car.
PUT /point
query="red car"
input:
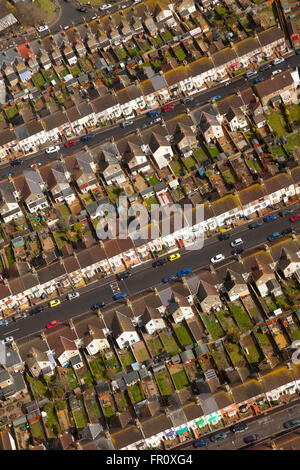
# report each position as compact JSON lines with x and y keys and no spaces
{"x":52,"y":324}
{"x":70,"y":143}
{"x":295,"y":217}
{"x":168,"y":107}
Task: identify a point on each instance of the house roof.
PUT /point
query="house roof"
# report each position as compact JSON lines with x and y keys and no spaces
{"x":270,"y":35}
{"x":274,"y":84}
{"x":120,"y":324}
{"x":224,"y":56}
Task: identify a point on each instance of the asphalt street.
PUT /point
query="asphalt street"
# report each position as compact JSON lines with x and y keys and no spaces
{"x":265,"y":426}
{"x":143,"y":278}
{"x":104,"y":134}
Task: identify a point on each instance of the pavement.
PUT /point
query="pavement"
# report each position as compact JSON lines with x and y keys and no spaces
{"x":115,"y":131}
{"x":144,"y":278}
{"x":267,"y":426}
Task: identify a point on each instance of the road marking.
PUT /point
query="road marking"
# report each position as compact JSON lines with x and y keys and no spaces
{"x":12,"y":331}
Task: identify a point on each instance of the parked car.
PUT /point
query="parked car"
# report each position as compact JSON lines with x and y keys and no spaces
{"x":217,"y":258}
{"x":184,"y":272}
{"x":52,"y":149}
{"x":159,"y":262}
{"x":274,"y":236}
{"x":87,"y":137}
{"x":187,"y":99}
{"x":97,"y":305}
{"x":259,"y":79}
{"x":3,"y":322}
{"x":291,"y":423}
{"x":165,"y":280}
{"x":270,"y":218}
{"x":251,"y":73}
{"x":155,"y":121}
{"x":286,"y":231}
{"x":168,"y":107}
{"x":275,"y":72}
{"x":19,"y":316}
{"x":7,"y":340}
{"x":285,"y":212}
{"x":37,"y":309}
{"x":278,"y":60}
{"x":82,"y":10}
{"x":52,"y":324}
{"x":54,"y":302}
{"x":298,"y":51}
{"x":126,"y":123}
{"x":17,"y":162}
{"x":250,"y":438}
{"x":255,"y":224}
{"x":42,"y":28}
{"x":237,"y":251}
{"x":122,"y":276}
{"x":236,"y":242}
{"x":153,"y":112}
{"x":105,"y":7}
{"x":239,"y":427}
{"x":224,"y":236}
{"x":200,"y":443}
{"x":216,"y":97}
{"x":265,"y":67}
{"x":295,"y":217}
{"x":70,"y":143}
{"x":218,"y":436}
{"x":73,"y":296}
{"x":174,"y":257}
{"x":120,"y":295}
{"x":33,"y":165}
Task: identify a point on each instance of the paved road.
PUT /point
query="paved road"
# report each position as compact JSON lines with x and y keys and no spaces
{"x":117,"y":132}
{"x":143,"y":278}
{"x":266,"y":426}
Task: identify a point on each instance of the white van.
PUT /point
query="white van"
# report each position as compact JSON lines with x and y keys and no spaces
{"x":251,"y":73}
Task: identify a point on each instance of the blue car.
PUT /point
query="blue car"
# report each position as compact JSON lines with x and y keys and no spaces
{"x":120,"y":295}
{"x":269,"y":218}
{"x":184,"y":272}
{"x":201,"y":443}
{"x":87,"y":137}
{"x":217,"y":97}
{"x":298,"y":51}
{"x":168,"y":279}
{"x":274,"y":236}
{"x":259,"y":79}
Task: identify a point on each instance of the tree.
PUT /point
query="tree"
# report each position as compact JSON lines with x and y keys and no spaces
{"x":63,"y":223}
{"x":233,"y":336}
{"x":78,"y":227}
{"x":30,"y":14}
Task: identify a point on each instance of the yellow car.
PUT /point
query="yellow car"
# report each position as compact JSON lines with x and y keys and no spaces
{"x":174,"y":257}
{"x":54,"y":303}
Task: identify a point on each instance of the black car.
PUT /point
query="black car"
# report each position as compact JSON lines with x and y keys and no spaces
{"x":16,"y":162}
{"x":251,"y":438}
{"x":291,"y":423}
{"x":239,"y":427}
{"x":265,"y":67}
{"x":223,"y":236}
{"x":82,"y":9}
{"x":285,"y":212}
{"x":159,"y":262}
{"x":286,"y":231}
{"x":97,"y":305}
{"x":237,"y":250}
{"x":37,"y":309}
{"x":255,"y":224}
{"x":123,"y":275}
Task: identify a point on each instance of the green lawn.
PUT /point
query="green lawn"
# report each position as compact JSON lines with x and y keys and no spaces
{"x":270,"y":304}
{"x":36,"y":429}
{"x":72,"y":378}
{"x":220,"y":360}
{"x":127,"y":359}
{"x":180,"y":380}
{"x":155,"y":346}
{"x":79,"y":419}
{"x":277,"y":122}
{"x":52,"y":421}
{"x":235,"y":354}
{"x":189,"y":163}
{"x":183,"y":335}
{"x":48,"y":8}
{"x":212,"y":325}
{"x":38,"y":80}
{"x":168,"y":35}
{"x":11,"y":112}
{"x":214,"y":152}
{"x":143,"y":354}
{"x":75,"y":71}
{"x":180,"y":54}
{"x":163,"y":384}
{"x":88,"y":379}
{"x":263,"y":339}
{"x":228,"y":177}
{"x":153,"y":180}
{"x":241,"y":317}
{"x":254,"y":355}
{"x":108,"y":411}
{"x":64,"y":72}
{"x":293,"y":141}
{"x":64,"y":210}
{"x":200,"y":155}
{"x":151,"y":201}
{"x":177,"y":168}
{"x":158,"y":39}
{"x":293,"y":112}
{"x":93,"y":409}
{"x":136,"y":393}
{"x":295,"y":334}
{"x":170,"y":343}
{"x":98,"y":369}
{"x":9,"y":255}
{"x":225,"y":320}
